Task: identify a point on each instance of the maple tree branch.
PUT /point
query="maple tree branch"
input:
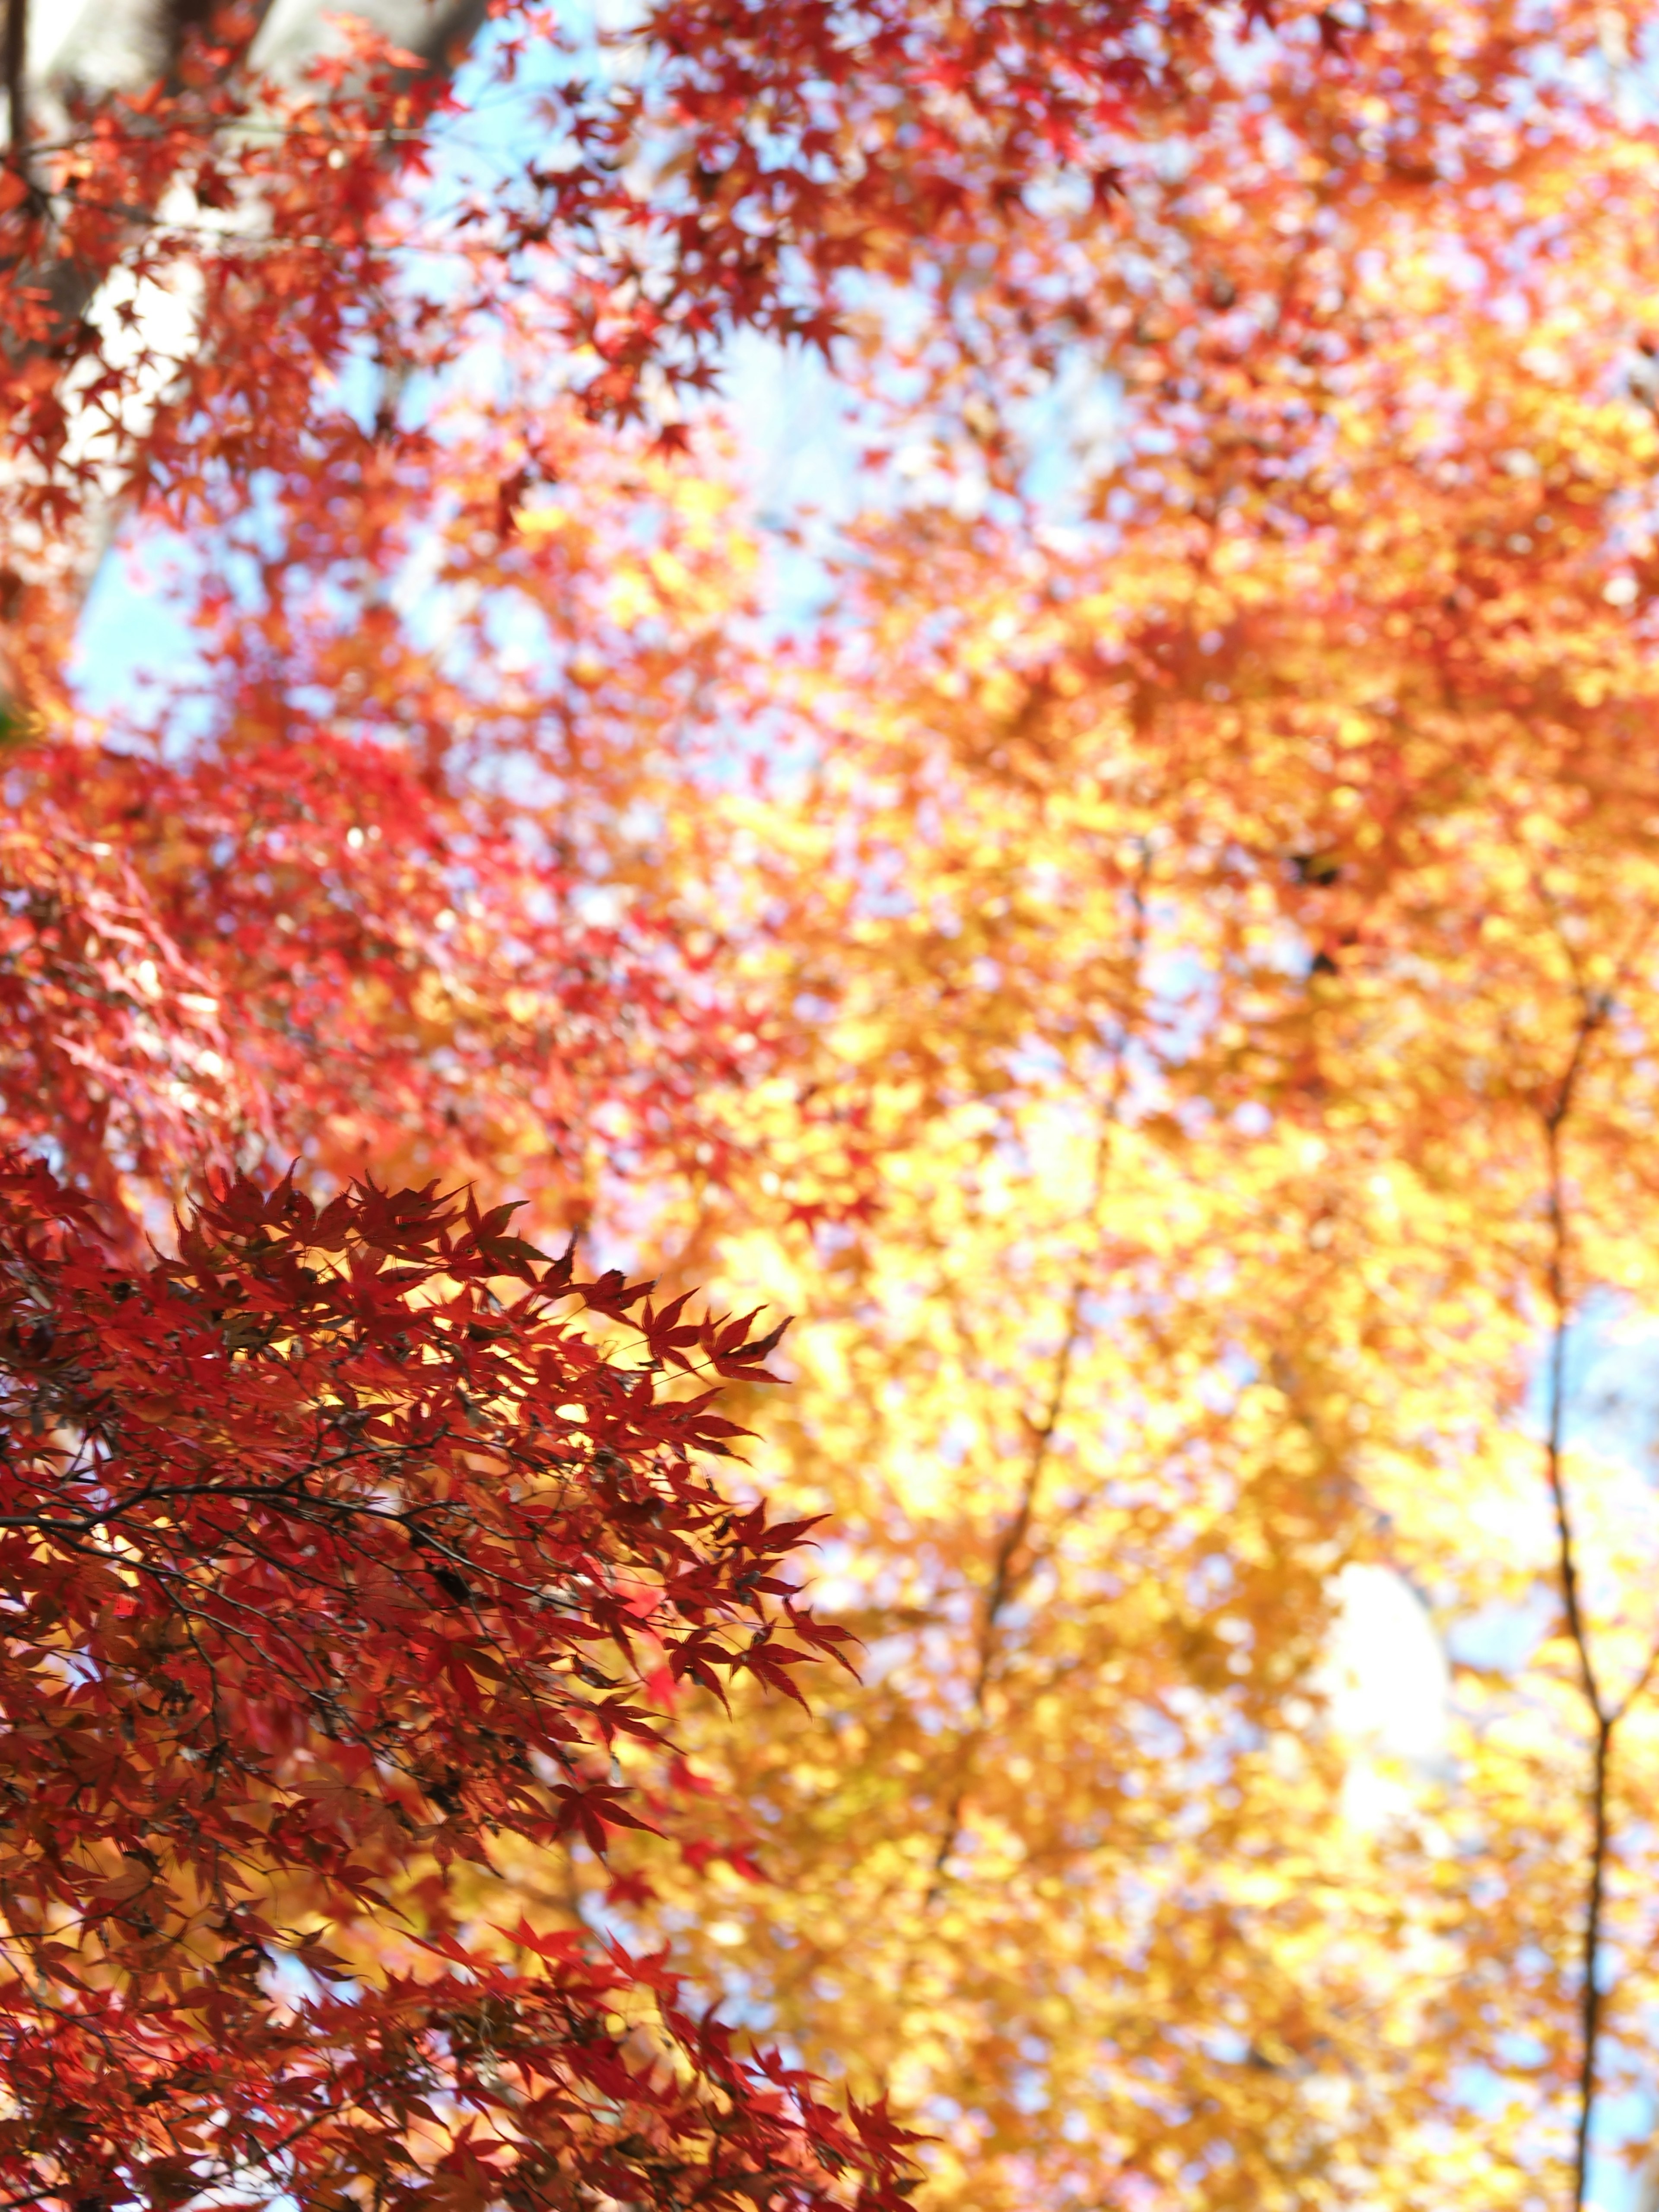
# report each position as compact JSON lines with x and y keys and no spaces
{"x":16,"y":52}
{"x":1590,"y":1996}
{"x":1008,"y":1570}
{"x":1605,"y":1721}
{"x":1566,"y":1551}
{"x":1005,"y":1580}
{"x":1650,"y":1666}
{"x":1597,"y":1008}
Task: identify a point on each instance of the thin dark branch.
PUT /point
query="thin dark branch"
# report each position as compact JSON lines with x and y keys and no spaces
{"x":17,"y":56}
{"x":1010,"y":1563}
{"x":1638,"y":1687}
{"x":1603,"y":1720}
{"x":1590,"y":1995}
{"x":1007,"y":1571}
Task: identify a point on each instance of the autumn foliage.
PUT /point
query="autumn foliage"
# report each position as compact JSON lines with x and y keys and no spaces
{"x":328,"y":1567}
{"x":1136,"y":925}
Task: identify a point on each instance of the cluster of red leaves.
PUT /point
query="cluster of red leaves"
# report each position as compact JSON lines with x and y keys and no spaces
{"x":787,"y":148}
{"x":252,"y":204}
{"x":335,"y":1550}
{"x":193,"y":953}
{"x":745,"y":166}
{"x":113,"y":1050}
{"x":811,"y":142}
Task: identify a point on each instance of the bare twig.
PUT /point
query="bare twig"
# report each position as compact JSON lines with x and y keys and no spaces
{"x":1604,"y":1720}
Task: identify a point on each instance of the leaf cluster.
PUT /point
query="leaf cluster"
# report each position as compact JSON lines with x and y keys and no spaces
{"x":334,"y":1547}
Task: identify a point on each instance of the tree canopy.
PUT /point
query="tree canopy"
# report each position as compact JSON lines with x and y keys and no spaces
{"x":1147,"y":953}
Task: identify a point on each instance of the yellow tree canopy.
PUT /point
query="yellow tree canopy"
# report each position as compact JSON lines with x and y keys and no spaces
{"x":1212,"y":938}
